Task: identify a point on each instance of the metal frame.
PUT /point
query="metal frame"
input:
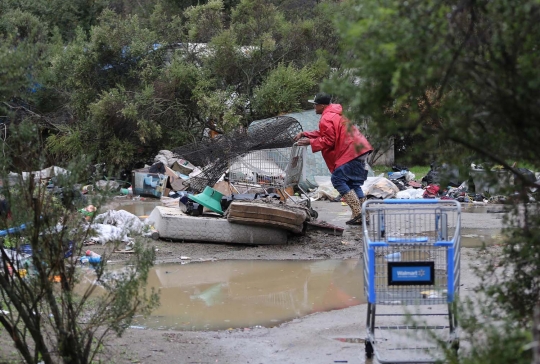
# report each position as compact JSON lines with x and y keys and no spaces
{"x":426,"y":234}
{"x":276,"y":168}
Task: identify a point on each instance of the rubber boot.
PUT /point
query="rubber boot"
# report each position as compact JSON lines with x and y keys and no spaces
{"x":354,"y":203}
{"x":362,"y":200}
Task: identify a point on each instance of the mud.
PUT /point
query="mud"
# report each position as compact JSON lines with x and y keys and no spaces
{"x":323,"y":337}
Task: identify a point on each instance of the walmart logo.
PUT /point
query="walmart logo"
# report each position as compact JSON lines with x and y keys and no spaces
{"x":411,"y":273}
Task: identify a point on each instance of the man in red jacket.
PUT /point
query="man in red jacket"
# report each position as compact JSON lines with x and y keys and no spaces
{"x":344,"y":149}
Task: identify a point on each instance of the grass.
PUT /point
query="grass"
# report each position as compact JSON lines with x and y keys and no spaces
{"x":418,"y":171}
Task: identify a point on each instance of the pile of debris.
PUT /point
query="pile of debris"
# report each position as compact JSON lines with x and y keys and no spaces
{"x":478,"y":187}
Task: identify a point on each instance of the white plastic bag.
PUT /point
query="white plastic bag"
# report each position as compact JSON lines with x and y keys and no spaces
{"x":370,"y":172}
{"x":380,"y":187}
{"x":403,"y":195}
{"x":409,"y":176}
{"x":325,"y":188}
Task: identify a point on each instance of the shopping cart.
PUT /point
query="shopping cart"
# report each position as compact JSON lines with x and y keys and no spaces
{"x":411,"y":270}
{"x":271,"y":170}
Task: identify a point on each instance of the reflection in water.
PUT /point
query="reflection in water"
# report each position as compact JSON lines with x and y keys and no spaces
{"x":140,"y":208}
{"x":235,"y":294}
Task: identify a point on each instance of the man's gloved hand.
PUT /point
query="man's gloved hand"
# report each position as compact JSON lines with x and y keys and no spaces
{"x":298,"y":136}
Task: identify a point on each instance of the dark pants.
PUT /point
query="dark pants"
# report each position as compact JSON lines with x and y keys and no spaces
{"x":350,"y":176}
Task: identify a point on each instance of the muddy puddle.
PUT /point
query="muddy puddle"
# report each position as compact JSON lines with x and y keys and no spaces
{"x":476,"y":238}
{"x":484,"y":209}
{"x":140,"y":208}
{"x":242,"y":294}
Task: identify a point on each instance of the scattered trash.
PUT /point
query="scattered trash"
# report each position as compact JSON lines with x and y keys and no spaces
{"x":433,"y":294}
{"x":92,"y":260}
{"x":91,"y":254}
{"x":393,"y":257}
{"x":88,"y":212}
{"x":122,"y":219}
{"x":210,"y":198}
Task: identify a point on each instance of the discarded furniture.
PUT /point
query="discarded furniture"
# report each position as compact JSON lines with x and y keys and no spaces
{"x":150,"y":184}
{"x":266,"y":214}
{"x":172,"y":223}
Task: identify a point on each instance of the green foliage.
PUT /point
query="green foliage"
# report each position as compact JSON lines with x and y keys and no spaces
{"x":427,"y":68}
{"x":65,"y":321}
{"x":257,"y":23}
{"x":123,"y":81}
{"x":204,"y":21}
{"x":462,"y":77}
{"x":283,"y":90}
{"x":65,"y":15}
{"x":222,"y":108}
{"x":486,"y":341}
{"x":23,"y":42}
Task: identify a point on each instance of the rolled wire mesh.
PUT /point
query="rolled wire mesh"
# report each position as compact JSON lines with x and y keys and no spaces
{"x":215,"y":156}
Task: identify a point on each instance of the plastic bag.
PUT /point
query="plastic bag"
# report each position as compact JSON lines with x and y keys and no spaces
{"x":370,"y":172}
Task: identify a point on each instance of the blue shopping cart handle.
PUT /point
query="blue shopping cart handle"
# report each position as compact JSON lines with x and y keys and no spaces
{"x":377,"y":243}
{"x":413,"y":201}
{"x":422,"y":239}
{"x":444,"y":243}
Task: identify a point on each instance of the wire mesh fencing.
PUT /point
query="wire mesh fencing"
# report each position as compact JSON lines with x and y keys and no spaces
{"x":216,"y":155}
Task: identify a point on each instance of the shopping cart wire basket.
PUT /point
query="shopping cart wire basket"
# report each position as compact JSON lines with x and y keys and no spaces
{"x":411,"y":263}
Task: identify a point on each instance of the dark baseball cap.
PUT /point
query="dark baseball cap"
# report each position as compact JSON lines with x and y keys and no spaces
{"x":321,"y":98}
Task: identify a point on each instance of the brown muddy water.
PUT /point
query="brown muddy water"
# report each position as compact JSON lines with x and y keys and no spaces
{"x":242,"y":294}
{"x":476,"y":238}
{"x":140,"y":208}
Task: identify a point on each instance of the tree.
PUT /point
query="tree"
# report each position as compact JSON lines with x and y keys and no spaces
{"x":48,"y":312}
{"x":283,"y":90}
{"x":66,"y":16}
{"x":463,"y":73}
{"x":204,"y":21}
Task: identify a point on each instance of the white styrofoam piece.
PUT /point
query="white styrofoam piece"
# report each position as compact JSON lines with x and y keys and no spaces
{"x":172,"y":223}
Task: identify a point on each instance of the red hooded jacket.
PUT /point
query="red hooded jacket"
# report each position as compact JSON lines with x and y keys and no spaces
{"x":336,"y":142}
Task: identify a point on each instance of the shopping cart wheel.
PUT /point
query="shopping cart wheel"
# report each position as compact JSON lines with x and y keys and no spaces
{"x":369,"y":349}
{"x":314,"y":214}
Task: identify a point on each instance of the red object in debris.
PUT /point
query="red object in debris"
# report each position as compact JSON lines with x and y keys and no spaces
{"x":431,"y":191}
{"x":415,"y":184}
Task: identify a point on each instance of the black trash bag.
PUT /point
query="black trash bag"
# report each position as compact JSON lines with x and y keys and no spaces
{"x":529,"y":176}
{"x":400,"y":183}
{"x":399,"y":168}
{"x":432,"y":177}
{"x":479,"y":197}
{"x":158,"y":167}
{"x":189,"y":207}
{"x":445,"y":171}
{"x":70,"y":197}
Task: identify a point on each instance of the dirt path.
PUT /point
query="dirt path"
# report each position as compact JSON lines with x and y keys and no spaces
{"x":311,"y":339}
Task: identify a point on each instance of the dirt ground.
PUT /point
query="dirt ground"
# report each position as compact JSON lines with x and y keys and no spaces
{"x":327,"y":337}
{"x":317,"y":338}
